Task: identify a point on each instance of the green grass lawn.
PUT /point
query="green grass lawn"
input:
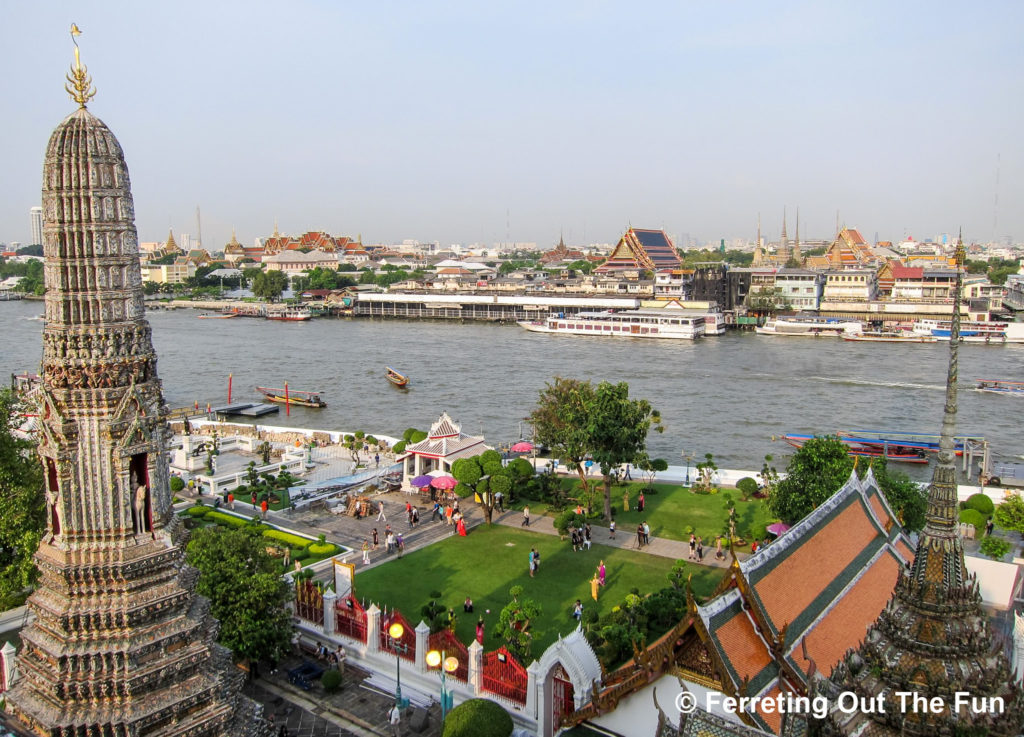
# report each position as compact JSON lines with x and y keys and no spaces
{"x":490,"y":560}
{"x":674,"y":508}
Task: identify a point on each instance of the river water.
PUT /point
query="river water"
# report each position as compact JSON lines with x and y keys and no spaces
{"x":725,"y":395}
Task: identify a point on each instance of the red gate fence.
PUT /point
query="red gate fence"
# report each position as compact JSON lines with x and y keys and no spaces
{"x":504,"y":676}
{"x":406,"y":645}
{"x":309,"y":601}
{"x":446,"y":642}
{"x":350,"y":618}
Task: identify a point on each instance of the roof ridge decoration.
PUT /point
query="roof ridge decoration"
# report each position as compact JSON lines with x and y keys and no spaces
{"x":80,"y":89}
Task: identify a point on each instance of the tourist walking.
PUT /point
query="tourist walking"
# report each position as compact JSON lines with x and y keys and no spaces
{"x":628,"y":477}
{"x":381,"y":517}
{"x":461,"y":527}
{"x":526,"y":517}
{"x":263,"y":508}
{"x":700,"y":549}
{"x":601,"y":573}
{"x":376,"y":459}
{"x":647,"y":533}
{"x":395,"y":717}
{"x":611,"y":529}
{"x":536,"y":560}
{"x":231,"y":500}
{"x":573,"y":538}
{"x":415,"y":518}
{"x":376,"y":540}
{"x":389,"y":542}
{"x":719,"y":555}
{"x":640,"y":535}
{"x":436,"y":512}
{"x":586,"y":535}
{"x":693,"y":547}
{"x":366,"y":551}
{"x":400,"y":544}
{"x":533,"y":567}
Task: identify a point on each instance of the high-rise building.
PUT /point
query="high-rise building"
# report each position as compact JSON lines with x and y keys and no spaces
{"x":36,"y":214}
{"x":120,"y":644}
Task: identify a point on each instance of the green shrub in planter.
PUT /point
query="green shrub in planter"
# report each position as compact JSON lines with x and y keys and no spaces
{"x":973,"y":517}
{"x":477,"y":718}
{"x":747,"y":487}
{"x":982,"y":503}
{"x":177,"y":484}
{"x":226,"y":520}
{"x":299,"y":553}
{"x":198,"y":511}
{"x":331,"y":680}
{"x":994,"y":547}
{"x":323,"y":549}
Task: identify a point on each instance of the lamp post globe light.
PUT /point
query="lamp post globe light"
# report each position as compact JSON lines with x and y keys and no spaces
{"x":395,"y":632}
{"x":448,"y":664}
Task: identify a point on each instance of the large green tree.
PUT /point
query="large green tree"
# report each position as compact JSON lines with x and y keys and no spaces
{"x":269,"y":285}
{"x":483,"y":476}
{"x":22,"y":502}
{"x":515,"y":624}
{"x":820,"y":468}
{"x":617,"y":428}
{"x":560,"y":422}
{"x":245,"y":589}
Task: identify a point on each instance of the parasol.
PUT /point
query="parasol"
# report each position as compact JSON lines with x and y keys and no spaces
{"x":522,"y":447}
{"x":444,"y":482}
{"x":422,"y":481}
{"x":777,"y":528}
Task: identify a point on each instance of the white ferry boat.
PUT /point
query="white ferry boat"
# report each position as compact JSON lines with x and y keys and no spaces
{"x":809,"y":326}
{"x":622,"y":324}
{"x":973,"y":331}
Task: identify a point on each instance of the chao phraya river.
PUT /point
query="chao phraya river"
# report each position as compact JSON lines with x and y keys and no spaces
{"x":725,"y":395}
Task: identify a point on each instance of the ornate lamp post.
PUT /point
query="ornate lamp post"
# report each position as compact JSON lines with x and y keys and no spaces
{"x":395,"y":632}
{"x":687,"y":459}
{"x":448,"y":664}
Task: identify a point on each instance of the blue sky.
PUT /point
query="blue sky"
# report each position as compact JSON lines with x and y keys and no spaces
{"x":470,"y":121}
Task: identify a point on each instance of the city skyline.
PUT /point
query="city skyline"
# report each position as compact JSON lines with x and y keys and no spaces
{"x":459,"y":124}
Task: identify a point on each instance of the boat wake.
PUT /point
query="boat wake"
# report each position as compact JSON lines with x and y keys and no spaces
{"x":886,"y":384}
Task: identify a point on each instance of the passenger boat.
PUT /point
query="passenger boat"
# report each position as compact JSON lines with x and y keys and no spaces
{"x":889,"y":336}
{"x":639,"y":323}
{"x":292,"y":314}
{"x":896,"y":453}
{"x":973,"y":331}
{"x":218,"y":316}
{"x":809,"y":326}
{"x":998,"y":386}
{"x":916,"y":441}
{"x":396,"y":378}
{"x":291,"y":396}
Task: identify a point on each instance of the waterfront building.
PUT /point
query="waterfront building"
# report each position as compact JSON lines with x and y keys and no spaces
{"x":918,"y":284}
{"x":36,"y":216}
{"x":850,"y":285}
{"x":295,"y":262}
{"x":118,"y":643}
{"x":673,"y":284}
{"x":799,"y":288}
{"x":933,"y":638}
{"x":175,"y":273}
{"x":641,"y":250}
{"x":1013,"y":292}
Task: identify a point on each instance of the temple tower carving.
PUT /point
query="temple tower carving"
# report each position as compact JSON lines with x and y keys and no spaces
{"x":121,"y":646}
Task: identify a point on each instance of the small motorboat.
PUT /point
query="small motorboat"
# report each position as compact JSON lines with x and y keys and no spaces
{"x":292,"y":396}
{"x":396,"y":378}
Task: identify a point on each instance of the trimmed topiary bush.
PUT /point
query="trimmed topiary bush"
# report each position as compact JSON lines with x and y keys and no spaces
{"x":973,"y":517}
{"x":177,"y":484}
{"x":323,"y":549}
{"x":982,"y":503}
{"x":399,"y":447}
{"x":477,"y":718}
{"x":331,"y":680}
{"x":226,"y":520}
{"x":567,"y":518}
{"x":299,"y":553}
{"x":198,"y":511}
{"x":291,"y":540}
{"x":747,"y":487}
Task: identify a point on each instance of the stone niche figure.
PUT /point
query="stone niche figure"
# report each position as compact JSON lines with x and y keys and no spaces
{"x":141,"y":508}
{"x":56,"y":512}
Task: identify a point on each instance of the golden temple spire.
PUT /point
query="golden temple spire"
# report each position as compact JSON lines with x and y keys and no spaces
{"x":80,"y":89}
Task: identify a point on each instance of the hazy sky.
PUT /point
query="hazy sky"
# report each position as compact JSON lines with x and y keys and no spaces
{"x":470,"y":121}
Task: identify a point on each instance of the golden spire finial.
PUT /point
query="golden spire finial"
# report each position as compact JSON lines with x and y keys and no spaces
{"x":81,"y":89}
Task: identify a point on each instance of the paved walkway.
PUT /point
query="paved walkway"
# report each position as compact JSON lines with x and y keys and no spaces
{"x":353,"y":711}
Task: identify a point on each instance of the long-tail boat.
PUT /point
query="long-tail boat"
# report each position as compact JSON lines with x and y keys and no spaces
{"x":396,"y":378}
{"x":1000,"y":386}
{"x":292,"y":396}
{"x":891,"y":452}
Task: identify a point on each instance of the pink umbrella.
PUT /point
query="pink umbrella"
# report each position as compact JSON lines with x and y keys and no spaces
{"x":444,"y":482}
{"x":522,"y":447}
{"x":777,"y":528}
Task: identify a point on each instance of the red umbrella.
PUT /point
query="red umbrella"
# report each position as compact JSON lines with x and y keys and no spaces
{"x":444,"y":482}
{"x":522,"y":447}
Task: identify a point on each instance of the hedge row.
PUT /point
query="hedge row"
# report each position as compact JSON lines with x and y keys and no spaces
{"x":301,"y":547}
{"x":294,"y":541}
